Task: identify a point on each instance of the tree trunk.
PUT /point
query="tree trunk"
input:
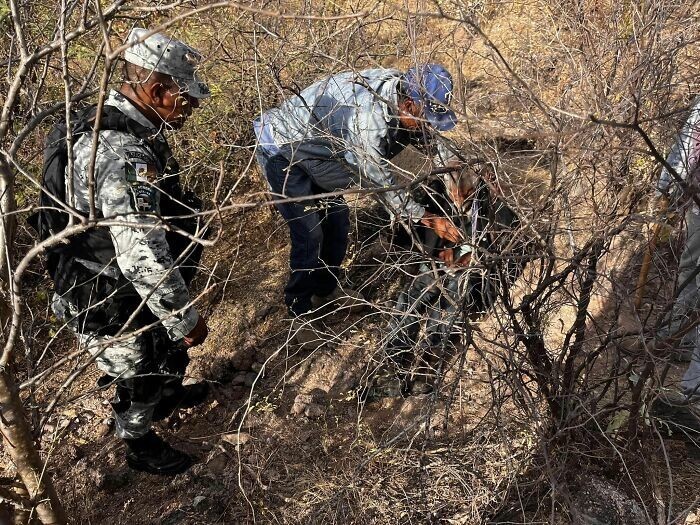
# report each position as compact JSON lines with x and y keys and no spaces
{"x":13,"y":421}
{"x":20,"y":446}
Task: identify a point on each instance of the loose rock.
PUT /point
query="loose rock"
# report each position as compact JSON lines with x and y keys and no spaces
{"x":300,"y":403}
{"x":600,"y":502}
{"x":313,"y":411}
{"x":109,"y":481}
{"x":236,"y":438}
{"x":250,"y":378}
{"x":217,"y":464}
{"x":239,"y":379}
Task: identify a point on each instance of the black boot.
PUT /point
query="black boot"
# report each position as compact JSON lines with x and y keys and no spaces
{"x":179,"y":396}
{"x":677,"y":417}
{"x":151,"y":454}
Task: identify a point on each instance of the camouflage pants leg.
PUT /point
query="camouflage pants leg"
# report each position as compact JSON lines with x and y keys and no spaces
{"x":132,"y":361}
{"x":442,"y":320}
{"x":685,"y":308}
{"x":410,"y":308}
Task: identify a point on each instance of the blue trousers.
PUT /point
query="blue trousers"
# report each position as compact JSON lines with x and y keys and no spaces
{"x":318,"y":230}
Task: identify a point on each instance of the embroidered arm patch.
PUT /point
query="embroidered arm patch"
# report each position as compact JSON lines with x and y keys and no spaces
{"x":144,"y":198}
{"x":141,"y":172}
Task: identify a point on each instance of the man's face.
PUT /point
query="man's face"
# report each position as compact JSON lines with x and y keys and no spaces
{"x":173,"y":106}
{"x":460,"y":187}
{"x":164,"y":97}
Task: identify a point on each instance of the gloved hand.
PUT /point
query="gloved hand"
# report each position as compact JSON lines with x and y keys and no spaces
{"x":448,"y":257}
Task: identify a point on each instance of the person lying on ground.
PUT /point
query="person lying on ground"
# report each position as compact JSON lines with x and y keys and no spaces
{"x":454,"y":282}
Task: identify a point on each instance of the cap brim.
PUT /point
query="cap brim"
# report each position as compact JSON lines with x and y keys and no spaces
{"x":441,"y":121}
{"x":194,"y":87}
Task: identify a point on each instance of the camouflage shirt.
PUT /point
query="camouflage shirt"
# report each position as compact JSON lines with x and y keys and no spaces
{"x":126,"y":175}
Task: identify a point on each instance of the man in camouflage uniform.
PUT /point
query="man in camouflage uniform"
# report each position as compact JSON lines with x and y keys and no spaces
{"x":134,"y":176}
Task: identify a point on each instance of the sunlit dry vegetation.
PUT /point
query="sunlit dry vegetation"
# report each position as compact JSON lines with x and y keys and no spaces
{"x":540,"y":412}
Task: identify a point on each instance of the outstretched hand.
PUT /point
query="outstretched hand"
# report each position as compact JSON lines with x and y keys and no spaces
{"x":448,"y":257}
{"x":198,"y":334}
{"x":442,"y":227}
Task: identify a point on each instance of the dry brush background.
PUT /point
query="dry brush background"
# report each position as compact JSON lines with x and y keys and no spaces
{"x":571,"y":105}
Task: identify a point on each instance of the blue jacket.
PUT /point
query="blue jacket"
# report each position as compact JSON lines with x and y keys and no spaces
{"x":345,"y":119}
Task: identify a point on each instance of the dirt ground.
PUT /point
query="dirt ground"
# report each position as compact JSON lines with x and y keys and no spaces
{"x":284,"y":438}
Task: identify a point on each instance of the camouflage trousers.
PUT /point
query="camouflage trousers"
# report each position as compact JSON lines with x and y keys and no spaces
{"x":143,"y":367}
{"x":436,"y":300}
{"x":684,"y":314}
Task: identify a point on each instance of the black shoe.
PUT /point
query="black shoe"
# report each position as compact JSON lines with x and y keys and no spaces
{"x":676,"y":419}
{"x":187,"y":396}
{"x":151,"y":454}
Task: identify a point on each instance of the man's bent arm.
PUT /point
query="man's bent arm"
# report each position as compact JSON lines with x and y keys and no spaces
{"x":143,"y":253}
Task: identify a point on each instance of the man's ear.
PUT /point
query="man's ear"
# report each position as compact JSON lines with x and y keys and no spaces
{"x":157,"y":92}
{"x":406,"y":106}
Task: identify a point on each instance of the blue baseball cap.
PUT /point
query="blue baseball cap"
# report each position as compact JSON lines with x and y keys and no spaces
{"x":431,"y":86}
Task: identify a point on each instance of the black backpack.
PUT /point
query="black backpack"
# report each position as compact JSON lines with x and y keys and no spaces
{"x":104,"y":297}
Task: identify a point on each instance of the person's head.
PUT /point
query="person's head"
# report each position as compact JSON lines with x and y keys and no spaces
{"x":160,"y":77}
{"x":461,"y":185}
{"x":424,"y":98}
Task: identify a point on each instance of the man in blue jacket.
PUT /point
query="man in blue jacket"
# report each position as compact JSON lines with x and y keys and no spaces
{"x":339,"y":132}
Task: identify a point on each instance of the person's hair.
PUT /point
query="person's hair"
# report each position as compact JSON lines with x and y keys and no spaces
{"x":402,"y":91}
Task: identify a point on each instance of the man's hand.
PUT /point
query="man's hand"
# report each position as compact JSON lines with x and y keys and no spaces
{"x":442,"y":227}
{"x":198,"y":334}
{"x":464,"y":260}
{"x":448,"y":257}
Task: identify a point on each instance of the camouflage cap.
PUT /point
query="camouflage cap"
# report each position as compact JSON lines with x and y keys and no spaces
{"x":164,"y":54}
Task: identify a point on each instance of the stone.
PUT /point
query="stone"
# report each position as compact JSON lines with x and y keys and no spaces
{"x":239,"y":379}
{"x":237,"y":392}
{"x":109,"y":481}
{"x":264,"y":312}
{"x":256,"y":367}
{"x":250,"y":379}
{"x":217,"y":464}
{"x":300,"y":403}
{"x":236,"y":438}
{"x":599,"y":502}
{"x":313,"y":411}
{"x":242,"y":360}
